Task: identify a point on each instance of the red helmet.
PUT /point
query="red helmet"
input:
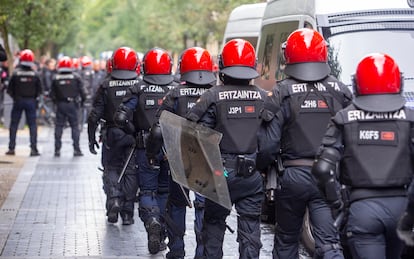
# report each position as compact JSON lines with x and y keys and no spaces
{"x":306,"y":54}
{"x":76,"y":63}
{"x":196,"y":66}
{"x":109,"y":65}
{"x":124,"y":63}
{"x":27,"y":57}
{"x":65,"y":64}
{"x":138,"y":69}
{"x":157,"y":67}
{"x":86,"y":61}
{"x":238,"y":60}
{"x":378,"y":84}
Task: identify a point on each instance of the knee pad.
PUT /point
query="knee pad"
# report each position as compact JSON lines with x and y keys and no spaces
{"x":328,"y":249}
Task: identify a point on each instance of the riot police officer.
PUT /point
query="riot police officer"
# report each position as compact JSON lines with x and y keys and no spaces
{"x":120,"y":187}
{"x":371,"y":138}
{"x":304,"y":103}
{"x":24,"y":87}
{"x":234,"y":110}
{"x":140,"y":110}
{"x":68,"y":94}
{"x":87,"y":75}
{"x":196,"y":70}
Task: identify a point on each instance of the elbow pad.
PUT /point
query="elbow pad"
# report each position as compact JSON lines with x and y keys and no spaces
{"x":122,"y":116}
{"x":154,"y":142}
{"x":324,"y":166}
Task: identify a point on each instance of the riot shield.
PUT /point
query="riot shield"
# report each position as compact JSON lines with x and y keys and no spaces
{"x":194,"y":156}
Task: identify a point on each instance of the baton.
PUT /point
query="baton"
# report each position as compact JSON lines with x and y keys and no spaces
{"x":126,"y":163}
{"x":339,"y":219}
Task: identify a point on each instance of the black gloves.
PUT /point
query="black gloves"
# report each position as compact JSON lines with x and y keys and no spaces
{"x":92,"y":145}
{"x":405,"y":225}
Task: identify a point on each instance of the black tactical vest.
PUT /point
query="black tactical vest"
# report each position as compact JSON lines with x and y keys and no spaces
{"x":377,"y":147}
{"x":238,"y":115}
{"x":26,"y":81}
{"x":67,"y":86}
{"x":150,"y":98}
{"x":186,"y":98}
{"x":115,"y":91}
{"x":311,"y":107}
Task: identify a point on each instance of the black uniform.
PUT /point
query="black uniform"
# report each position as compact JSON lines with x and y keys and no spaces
{"x":234,"y":110}
{"x":24,"y":87}
{"x":180,"y":100}
{"x":145,"y":100}
{"x":117,"y":144}
{"x":68,"y":94}
{"x":87,"y":75}
{"x":293,"y":136}
{"x":372,"y":145}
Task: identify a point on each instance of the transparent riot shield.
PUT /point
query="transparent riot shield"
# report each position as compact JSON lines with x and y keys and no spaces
{"x":194,"y":156}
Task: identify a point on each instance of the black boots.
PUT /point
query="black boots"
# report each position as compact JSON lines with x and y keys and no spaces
{"x":153,"y":228}
{"x":127,"y":219}
{"x":34,"y":152}
{"x":77,"y":152}
{"x":10,"y":152}
{"x":113,"y":211}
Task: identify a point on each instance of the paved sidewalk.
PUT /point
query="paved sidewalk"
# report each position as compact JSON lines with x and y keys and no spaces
{"x":56,"y":210}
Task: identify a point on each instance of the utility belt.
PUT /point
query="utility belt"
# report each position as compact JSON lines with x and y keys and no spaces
{"x":365,"y":193}
{"x":68,"y":100}
{"x":243,"y":166}
{"x":141,"y":138}
{"x":298,"y":162}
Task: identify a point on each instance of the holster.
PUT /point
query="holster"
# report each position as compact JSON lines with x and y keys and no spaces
{"x":245,"y":166}
{"x":141,"y":139}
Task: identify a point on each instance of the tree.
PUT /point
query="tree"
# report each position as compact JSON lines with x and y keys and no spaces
{"x":37,"y":24}
{"x":142,"y":24}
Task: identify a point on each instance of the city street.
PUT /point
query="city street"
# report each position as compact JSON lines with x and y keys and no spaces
{"x":55,"y":210}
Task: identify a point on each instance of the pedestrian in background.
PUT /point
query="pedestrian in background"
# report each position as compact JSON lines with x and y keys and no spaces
{"x":25,"y":87}
{"x":68,"y":94}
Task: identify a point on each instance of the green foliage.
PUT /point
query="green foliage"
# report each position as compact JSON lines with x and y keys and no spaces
{"x":89,"y":27}
{"x":37,"y":23}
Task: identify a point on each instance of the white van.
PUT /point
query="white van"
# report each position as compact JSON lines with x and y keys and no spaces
{"x":245,"y":22}
{"x":353,"y":29}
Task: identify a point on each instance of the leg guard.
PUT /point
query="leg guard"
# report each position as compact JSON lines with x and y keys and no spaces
{"x":198,"y":224}
{"x":175,"y":223}
{"x":213,"y":236}
{"x":248,"y":236}
{"x":148,"y":206}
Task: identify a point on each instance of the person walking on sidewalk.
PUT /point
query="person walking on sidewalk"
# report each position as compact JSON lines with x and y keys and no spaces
{"x":25,"y":87}
{"x":141,"y":108}
{"x":303,"y":104}
{"x":116,"y":143}
{"x":68,"y":94}
{"x":234,"y":109}
{"x":196,"y":69}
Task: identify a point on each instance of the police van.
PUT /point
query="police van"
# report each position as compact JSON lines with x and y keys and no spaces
{"x":245,"y":22}
{"x":352,"y":28}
